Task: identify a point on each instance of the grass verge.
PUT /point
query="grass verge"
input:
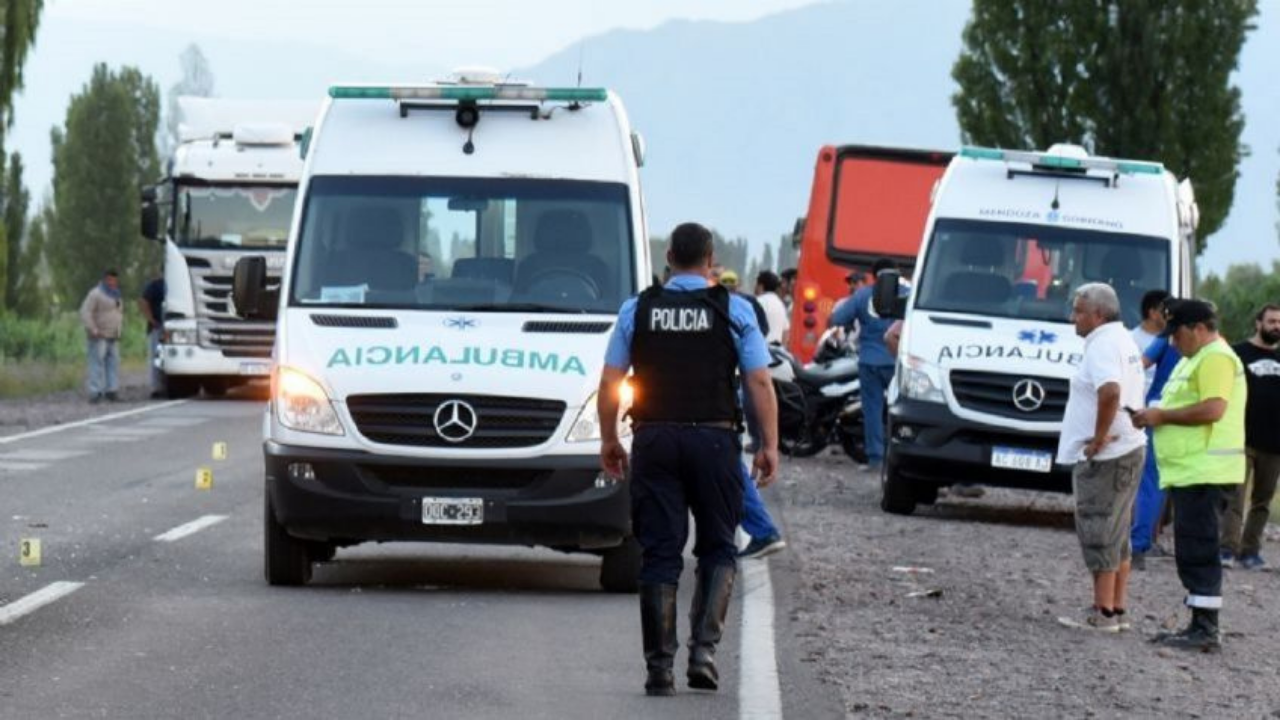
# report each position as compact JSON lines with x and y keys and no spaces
{"x":32,"y":378}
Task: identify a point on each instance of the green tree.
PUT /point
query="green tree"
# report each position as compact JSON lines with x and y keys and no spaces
{"x":32,"y":295}
{"x":105,"y":154}
{"x":1142,"y":79}
{"x":17,"y":201}
{"x":1239,"y":293}
{"x":21,"y":19}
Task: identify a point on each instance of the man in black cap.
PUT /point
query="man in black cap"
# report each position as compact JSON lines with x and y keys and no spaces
{"x":1199,"y":442}
{"x":685,"y":342}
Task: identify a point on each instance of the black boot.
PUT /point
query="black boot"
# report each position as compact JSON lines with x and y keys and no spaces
{"x":658,"y":630}
{"x":706,"y":620}
{"x":1201,"y":634}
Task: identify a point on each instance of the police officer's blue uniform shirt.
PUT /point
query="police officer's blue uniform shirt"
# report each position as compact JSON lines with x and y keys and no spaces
{"x":753,"y":353}
{"x":871,"y":347}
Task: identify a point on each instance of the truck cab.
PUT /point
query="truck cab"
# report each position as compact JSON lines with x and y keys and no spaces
{"x":455,"y":265}
{"x":229,"y":192}
{"x":987,"y":348}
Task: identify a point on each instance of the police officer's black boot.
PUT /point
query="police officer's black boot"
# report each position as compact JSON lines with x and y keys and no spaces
{"x":1200,"y":635}
{"x":658,"y":630}
{"x":706,"y":620}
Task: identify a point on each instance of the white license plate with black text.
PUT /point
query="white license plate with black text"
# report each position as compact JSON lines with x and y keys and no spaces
{"x":452,"y":511}
{"x":1021,"y":459}
{"x":255,"y":368}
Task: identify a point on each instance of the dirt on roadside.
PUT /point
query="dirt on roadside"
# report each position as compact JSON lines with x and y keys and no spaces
{"x":31,"y":413}
{"x":952,"y":612}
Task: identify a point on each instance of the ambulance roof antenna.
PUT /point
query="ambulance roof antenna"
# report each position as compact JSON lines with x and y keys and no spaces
{"x":575,"y":105}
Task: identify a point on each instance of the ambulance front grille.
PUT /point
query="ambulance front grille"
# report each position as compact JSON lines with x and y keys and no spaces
{"x":499,"y":422}
{"x":993,"y":394}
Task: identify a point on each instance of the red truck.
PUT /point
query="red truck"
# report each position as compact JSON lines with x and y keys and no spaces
{"x":866,"y":203}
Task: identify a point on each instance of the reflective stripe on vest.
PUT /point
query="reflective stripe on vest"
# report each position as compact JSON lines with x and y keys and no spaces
{"x":1202,"y":454}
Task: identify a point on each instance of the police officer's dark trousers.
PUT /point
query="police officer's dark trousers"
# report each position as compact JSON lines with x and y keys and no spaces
{"x":1197,"y":512}
{"x":677,"y":469}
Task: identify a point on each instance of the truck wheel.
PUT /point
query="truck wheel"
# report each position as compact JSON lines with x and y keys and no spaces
{"x":620,"y":567}
{"x":287,"y":560}
{"x":897,"y":496}
{"x":214,"y":387}
{"x":181,"y":386}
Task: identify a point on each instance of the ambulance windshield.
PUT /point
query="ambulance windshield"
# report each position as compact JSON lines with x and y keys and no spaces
{"x":1029,"y":271}
{"x":465,"y":243}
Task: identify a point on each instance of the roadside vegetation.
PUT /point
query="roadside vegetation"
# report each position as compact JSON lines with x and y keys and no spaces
{"x":43,"y":356}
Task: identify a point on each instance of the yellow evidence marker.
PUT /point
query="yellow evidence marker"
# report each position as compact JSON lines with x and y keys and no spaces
{"x":204,"y":478}
{"x":219,"y":451}
{"x":29,"y":552}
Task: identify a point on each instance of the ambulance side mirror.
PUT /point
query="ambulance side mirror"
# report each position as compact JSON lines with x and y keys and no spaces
{"x":885,"y":297}
{"x":249,"y":293}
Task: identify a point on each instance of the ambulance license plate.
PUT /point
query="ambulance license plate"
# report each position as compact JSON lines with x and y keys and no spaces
{"x":452,"y":511}
{"x":1021,"y":459}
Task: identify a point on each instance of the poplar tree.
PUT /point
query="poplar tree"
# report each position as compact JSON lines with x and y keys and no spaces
{"x":17,"y":201}
{"x":102,"y":158}
{"x":1139,"y":79}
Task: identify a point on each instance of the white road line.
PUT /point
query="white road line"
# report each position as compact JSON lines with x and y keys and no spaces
{"x":19,"y":466}
{"x":190,"y":528}
{"x":41,"y":455}
{"x":37,"y":600}
{"x":91,"y":421}
{"x":759,"y":695}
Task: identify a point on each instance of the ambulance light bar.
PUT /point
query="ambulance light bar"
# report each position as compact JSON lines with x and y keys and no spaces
{"x":1063,"y":162}
{"x":467,"y":92}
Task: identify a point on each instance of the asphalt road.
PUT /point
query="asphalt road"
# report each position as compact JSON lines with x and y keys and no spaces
{"x":186,"y":627}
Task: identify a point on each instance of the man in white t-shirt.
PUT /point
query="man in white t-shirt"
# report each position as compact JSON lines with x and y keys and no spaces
{"x":1106,"y":449}
{"x":767,"y":286}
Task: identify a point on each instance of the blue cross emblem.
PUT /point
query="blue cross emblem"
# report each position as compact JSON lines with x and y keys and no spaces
{"x":460,"y":323}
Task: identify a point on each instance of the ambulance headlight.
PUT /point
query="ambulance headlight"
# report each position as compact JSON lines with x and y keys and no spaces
{"x":587,"y":427}
{"x":919,"y":379}
{"x":301,"y":404}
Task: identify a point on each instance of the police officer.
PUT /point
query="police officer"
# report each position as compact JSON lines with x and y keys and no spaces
{"x":1199,"y":441}
{"x":684,"y":341}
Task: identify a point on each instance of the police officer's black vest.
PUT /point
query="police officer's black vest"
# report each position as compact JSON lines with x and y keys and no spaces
{"x":684,"y":357}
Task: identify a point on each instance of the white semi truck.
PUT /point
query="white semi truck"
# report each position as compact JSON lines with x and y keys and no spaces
{"x":228,"y":193}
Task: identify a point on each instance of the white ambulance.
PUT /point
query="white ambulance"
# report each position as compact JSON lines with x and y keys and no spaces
{"x":987,"y":348}
{"x":458,"y":256}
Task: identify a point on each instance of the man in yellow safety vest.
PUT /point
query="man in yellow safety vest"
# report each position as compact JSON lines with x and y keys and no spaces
{"x":1199,"y":442}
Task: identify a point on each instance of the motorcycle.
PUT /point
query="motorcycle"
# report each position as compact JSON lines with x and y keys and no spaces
{"x":819,"y":403}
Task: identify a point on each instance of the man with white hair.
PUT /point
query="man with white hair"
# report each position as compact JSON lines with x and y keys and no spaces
{"x":1107,"y":451}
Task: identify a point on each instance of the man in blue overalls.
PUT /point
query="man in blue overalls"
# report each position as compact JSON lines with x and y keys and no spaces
{"x":685,"y":341}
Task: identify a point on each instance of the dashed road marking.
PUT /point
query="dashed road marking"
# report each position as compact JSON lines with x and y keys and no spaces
{"x":17,"y":467}
{"x":190,"y":528}
{"x":36,"y":600}
{"x":42,"y":455}
{"x":86,"y":423}
{"x":759,"y":694}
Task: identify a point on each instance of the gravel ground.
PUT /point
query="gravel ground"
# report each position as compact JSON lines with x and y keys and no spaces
{"x":952,"y":612}
{"x":19,"y":416}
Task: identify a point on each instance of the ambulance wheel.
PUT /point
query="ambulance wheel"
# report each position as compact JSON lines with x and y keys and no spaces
{"x":897,"y":495}
{"x":620,"y":567}
{"x":181,"y":386}
{"x":286,"y":559}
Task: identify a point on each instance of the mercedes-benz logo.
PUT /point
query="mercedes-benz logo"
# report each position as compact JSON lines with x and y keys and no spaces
{"x":1028,"y":395}
{"x":455,"y":421}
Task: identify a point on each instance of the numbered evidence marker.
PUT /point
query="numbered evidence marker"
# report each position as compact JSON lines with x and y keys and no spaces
{"x":204,"y":478}
{"x":219,"y":451}
{"x":29,"y":552}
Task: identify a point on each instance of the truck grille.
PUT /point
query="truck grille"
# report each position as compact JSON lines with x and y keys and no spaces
{"x":500,"y":422}
{"x":220,"y":328}
{"x":993,"y":394}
